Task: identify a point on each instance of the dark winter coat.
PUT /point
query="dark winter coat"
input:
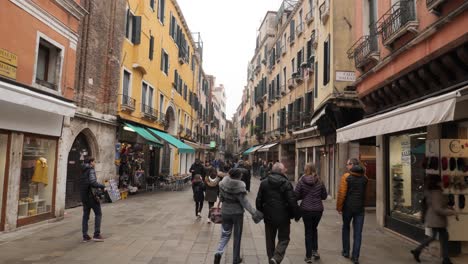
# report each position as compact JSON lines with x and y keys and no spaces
{"x":197,"y":168}
{"x":198,"y":191}
{"x":212,"y":189}
{"x":87,"y":182}
{"x":352,"y":192}
{"x":276,"y":200}
{"x":311,"y":191}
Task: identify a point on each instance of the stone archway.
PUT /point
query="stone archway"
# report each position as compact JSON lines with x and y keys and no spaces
{"x":83,"y":147}
{"x":171,"y":124}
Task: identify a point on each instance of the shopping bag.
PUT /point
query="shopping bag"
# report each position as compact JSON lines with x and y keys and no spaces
{"x":215,"y":214}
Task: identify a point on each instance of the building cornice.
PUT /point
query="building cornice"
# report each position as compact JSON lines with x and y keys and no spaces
{"x":72,"y":7}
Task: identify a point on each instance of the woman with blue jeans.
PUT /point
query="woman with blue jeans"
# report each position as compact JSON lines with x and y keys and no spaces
{"x":233,"y":195}
{"x":311,"y":190}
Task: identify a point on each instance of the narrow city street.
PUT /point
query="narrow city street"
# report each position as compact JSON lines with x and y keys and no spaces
{"x":160,"y":227}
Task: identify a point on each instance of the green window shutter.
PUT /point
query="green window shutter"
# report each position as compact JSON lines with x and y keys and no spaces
{"x":127,"y":26}
{"x":136,"y":34}
{"x":152,"y":4}
{"x":292,"y":29}
{"x":162,"y":60}
{"x":151,"y":48}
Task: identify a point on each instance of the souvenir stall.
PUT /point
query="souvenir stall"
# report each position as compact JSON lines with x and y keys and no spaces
{"x":136,"y":156}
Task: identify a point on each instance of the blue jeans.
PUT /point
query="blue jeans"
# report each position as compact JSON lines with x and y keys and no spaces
{"x":231,"y":222}
{"x":87,"y":206}
{"x":358,"y":222}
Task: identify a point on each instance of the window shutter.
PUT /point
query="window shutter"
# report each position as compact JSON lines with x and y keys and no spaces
{"x":127,"y":26}
{"x":163,"y":3}
{"x":136,"y":36}
{"x":171,"y":26}
{"x":152,"y":4}
{"x":292,"y":29}
{"x":176,"y":78}
{"x":162,"y":60}
{"x":151,"y":48}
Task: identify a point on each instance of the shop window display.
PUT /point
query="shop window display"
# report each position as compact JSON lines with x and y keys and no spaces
{"x":407,"y":155}
{"x":37,"y":176}
{"x":3,"y":155}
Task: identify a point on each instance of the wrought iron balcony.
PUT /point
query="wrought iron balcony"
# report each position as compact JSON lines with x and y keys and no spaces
{"x":310,"y":16}
{"x":149,"y":112}
{"x":162,"y":118}
{"x":325,"y":11}
{"x":399,"y":19}
{"x":364,"y":50}
{"x":128,"y":103}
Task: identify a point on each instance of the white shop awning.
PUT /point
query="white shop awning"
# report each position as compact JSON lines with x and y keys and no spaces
{"x":316,"y":117}
{"x":25,"y":97}
{"x":267,"y":147}
{"x":28,"y":111}
{"x":427,"y":112}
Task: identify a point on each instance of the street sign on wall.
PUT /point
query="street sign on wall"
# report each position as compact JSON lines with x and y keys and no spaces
{"x":8,"y":64}
{"x":345,"y":76}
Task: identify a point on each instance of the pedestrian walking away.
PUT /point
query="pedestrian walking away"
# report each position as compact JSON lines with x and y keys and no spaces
{"x":435,"y":212}
{"x":311,"y":191}
{"x":278,"y":203}
{"x":89,"y":199}
{"x":197,"y":168}
{"x":212,"y":189}
{"x":350,"y":204}
{"x":233,"y":195}
{"x":198,"y":194}
{"x":246,"y":176}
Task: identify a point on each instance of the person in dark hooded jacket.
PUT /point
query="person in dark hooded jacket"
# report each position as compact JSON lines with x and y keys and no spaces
{"x":311,"y":190}
{"x":278,"y":203}
{"x":87,"y":183}
{"x":197,"y":168}
{"x":198,"y":188}
{"x":350,"y":204}
{"x":246,"y":176}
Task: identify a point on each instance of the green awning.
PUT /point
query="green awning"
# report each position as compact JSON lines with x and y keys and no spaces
{"x":183,"y":148}
{"x":252,"y":150}
{"x":145,"y":134}
{"x":248,"y":151}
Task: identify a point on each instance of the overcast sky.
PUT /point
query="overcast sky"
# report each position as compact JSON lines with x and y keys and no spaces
{"x":228,"y":29}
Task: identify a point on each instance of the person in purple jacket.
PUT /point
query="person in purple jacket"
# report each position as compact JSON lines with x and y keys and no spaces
{"x":311,"y":190}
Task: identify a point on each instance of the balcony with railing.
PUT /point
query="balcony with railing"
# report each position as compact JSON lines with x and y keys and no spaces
{"x":364,"y":50}
{"x":128,"y":103}
{"x":162,"y":118}
{"x":148,"y":112}
{"x":397,"y":21}
{"x":324,"y":11}
{"x":299,"y":29}
{"x":310,"y":16}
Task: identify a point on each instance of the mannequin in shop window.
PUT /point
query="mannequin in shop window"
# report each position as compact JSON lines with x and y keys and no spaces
{"x":40,"y":177}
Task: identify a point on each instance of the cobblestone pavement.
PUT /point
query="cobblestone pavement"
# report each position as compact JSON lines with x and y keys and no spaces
{"x":160,"y":227}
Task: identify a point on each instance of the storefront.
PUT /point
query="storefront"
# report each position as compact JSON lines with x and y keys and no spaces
{"x":30,"y":129}
{"x":137,"y":156}
{"x":427,"y":137}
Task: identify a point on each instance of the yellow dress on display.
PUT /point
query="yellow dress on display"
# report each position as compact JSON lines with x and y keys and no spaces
{"x":41,"y":171}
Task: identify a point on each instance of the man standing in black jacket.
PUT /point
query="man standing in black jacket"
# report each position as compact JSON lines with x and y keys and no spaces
{"x":278,"y":203}
{"x":197,"y":168}
{"x":90,"y":201}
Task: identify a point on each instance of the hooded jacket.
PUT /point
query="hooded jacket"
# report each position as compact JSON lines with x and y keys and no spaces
{"x":276,"y":200}
{"x":233,"y":196}
{"x":198,"y":189}
{"x":212,"y":188}
{"x":311,"y":191}
{"x":352,"y":192}
{"x":197,"y":168}
{"x":87,"y":181}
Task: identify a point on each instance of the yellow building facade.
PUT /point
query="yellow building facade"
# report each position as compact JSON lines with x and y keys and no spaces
{"x":159,"y":78}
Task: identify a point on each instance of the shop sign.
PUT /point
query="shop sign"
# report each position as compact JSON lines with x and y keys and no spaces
{"x":8,"y":64}
{"x":212,"y":144}
{"x":345,"y":76}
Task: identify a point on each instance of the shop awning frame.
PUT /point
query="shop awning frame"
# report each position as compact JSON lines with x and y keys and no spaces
{"x":431,"y":111}
{"x":252,"y":150}
{"x":144,"y":133}
{"x":267,"y":147}
{"x":181,"y":146}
